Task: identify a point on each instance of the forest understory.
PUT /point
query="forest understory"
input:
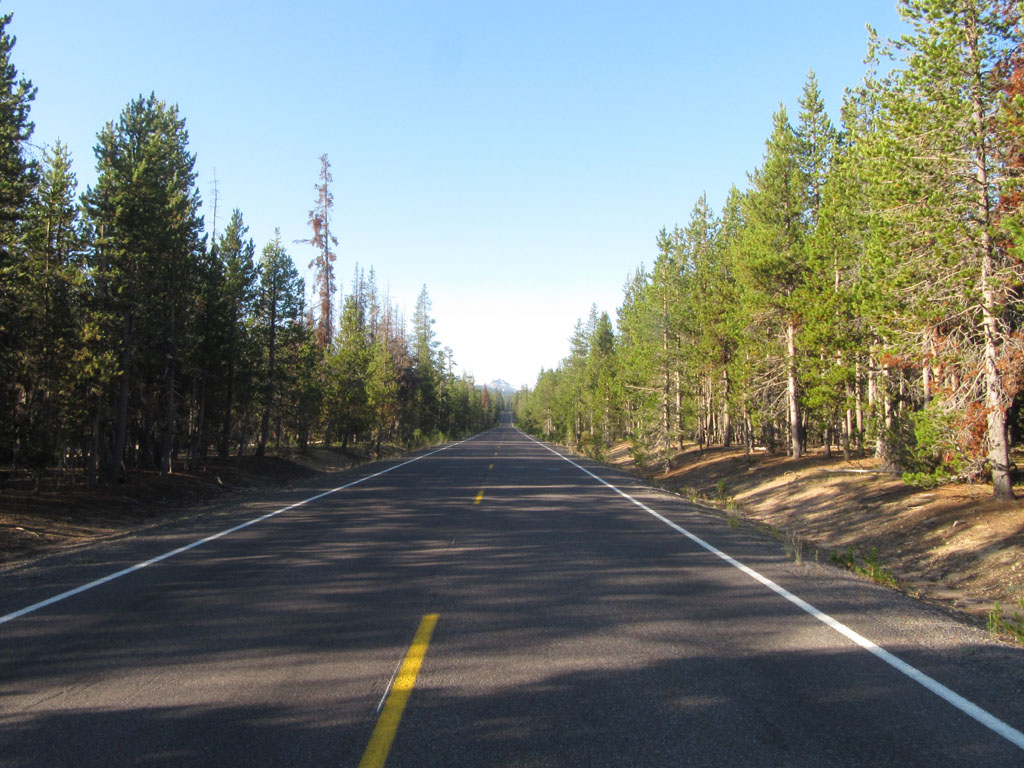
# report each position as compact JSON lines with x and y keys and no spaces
{"x":954,"y":545}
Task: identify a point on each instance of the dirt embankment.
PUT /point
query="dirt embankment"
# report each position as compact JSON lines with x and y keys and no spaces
{"x":953,"y":545}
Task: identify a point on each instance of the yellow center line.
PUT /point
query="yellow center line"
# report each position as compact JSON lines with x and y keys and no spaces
{"x":384,"y":733}
{"x":490,"y":468}
{"x":479,"y":497}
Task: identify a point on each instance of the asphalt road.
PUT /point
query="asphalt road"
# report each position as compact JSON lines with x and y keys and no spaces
{"x":574,"y":628}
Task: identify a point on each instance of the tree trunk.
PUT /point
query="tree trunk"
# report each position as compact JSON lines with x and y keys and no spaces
{"x":726,"y":416}
{"x":883,"y":447}
{"x":224,"y":447}
{"x":95,"y":441}
{"x":996,"y":401}
{"x":858,"y":406}
{"x":124,"y":391}
{"x":170,"y":412}
{"x":679,"y":409}
{"x":197,"y":437}
{"x":848,"y":425}
{"x":748,"y":431}
{"x":794,"y":402}
{"x":261,"y":449}
{"x":711,"y":423}
{"x":666,"y":405}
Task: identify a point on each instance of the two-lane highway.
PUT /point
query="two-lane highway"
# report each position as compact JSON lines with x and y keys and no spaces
{"x":570,"y":622}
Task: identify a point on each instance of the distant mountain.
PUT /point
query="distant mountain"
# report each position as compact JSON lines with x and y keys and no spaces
{"x":502,"y":386}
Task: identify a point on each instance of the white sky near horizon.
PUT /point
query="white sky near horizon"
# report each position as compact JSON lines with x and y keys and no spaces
{"x":517,"y":158}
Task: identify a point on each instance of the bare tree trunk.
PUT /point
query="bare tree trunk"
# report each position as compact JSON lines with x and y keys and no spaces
{"x":665,"y":401}
{"x":124,"y":391}
{"x":748,"y":436}
{"x":858,"y":405}
{"x":679,"y":408}
{"x":170,"y":416}
{"x":726,"y":416}
{"x":198,"y":440}
{"x":848,"y":425}
{"x":926,"y":369}
{"x":794,"y":403}
{"x":996,"y":400}
{"x":709,"y":409}
{"x":95,"y":443}
{"x":882,"y":446}
{"x":261,"y":448}
{"x":996,"y":404}
{"x":224,"y":447}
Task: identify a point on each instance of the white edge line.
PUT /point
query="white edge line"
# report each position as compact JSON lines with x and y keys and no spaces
{"x":152,"y":561}
{"x":969,"y":708}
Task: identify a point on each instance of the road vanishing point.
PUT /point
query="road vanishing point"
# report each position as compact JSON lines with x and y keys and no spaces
{"x":493,"y":602}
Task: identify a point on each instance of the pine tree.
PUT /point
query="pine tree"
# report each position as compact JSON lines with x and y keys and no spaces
{"x":841,"y":308}
{"x":18,"y":175}
{"x":426,"y":369}
{"x":236,"y":255}
{"x":50,"y":418}
{"x":670,"y":310}
{"x":639,"y":349}
{"x":302,"y":383}
{"x":144,"y":211}
{"x":278,"y":306}
{"x":601,"y":381}
{"x":817,"y":143}
{"x":347,"y":408}
{"x":382,"y":391}
{"x":937,"y":192}
{"x":708,"y":351}
{"x":775,"y":267}
{"x":725,"y":315}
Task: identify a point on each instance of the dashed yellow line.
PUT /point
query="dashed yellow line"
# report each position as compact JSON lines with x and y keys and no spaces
{"x":384,"y":733}
{"x":479,"y":497}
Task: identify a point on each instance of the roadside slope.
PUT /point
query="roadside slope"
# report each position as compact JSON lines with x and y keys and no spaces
{"x":953,"y":545}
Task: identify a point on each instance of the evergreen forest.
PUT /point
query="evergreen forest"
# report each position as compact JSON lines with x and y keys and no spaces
{"x":134,"y":339}
{"x":861,"y":293}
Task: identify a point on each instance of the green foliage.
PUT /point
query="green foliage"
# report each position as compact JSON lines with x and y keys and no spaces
{"x":129,"y":343}
{"x":234,"y":343}
{"x":999,"y":624}
{"x":49,"y":411}
{"x":277,"y":315}
{"x":869,"y":566}
{"x":18,"y":174}
{"x":345,"y":398}
{"x":144,"y":261}
{"x":863,"y":285}
{"x":934,"y":457}
{"x":722,"y":490}
{"x":774,"y":268}
{"x":862,"y":288}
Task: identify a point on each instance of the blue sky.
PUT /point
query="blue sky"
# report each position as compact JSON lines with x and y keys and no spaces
{"x":517,"y":158}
